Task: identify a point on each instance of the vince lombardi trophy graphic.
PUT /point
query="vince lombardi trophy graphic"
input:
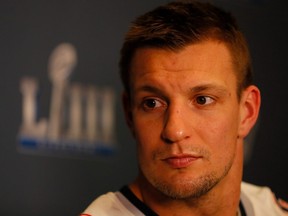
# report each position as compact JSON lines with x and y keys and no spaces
{"x":61,"y":63}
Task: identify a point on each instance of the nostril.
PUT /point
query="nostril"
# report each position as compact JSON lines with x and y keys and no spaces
{"x":167,"y":140}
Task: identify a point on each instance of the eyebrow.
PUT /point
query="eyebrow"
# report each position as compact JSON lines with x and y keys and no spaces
{"x":196,"y":89}
{"x":210,"y":87}
{"x":148,"y":88}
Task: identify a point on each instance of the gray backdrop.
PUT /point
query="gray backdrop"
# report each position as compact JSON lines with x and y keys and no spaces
{"x":55,"y":185}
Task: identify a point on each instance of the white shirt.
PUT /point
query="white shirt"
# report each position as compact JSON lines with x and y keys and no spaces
{"x":256,"y":200}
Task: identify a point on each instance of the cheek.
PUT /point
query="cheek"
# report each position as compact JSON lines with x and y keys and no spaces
{"x":222,"y":145}
{"x":222,"y":135}
{"x":224,"y":126}
{"x":146,"y":126}
{"x":147,"y":135}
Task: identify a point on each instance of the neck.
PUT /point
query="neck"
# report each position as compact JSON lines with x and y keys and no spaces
{"x":222,"y":200}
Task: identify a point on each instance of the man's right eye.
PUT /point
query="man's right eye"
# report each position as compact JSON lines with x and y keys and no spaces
{"x":151,"y":103}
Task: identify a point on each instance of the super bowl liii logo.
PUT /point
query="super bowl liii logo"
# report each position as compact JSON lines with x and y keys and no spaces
{"x":81,"y":118}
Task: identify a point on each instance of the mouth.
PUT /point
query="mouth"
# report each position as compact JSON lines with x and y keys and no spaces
{"x":181,"y":161}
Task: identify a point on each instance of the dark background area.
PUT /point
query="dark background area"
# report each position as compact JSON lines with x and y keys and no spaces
{"x":55,"y":185}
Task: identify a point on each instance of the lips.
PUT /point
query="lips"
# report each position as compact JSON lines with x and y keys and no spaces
{"x":181,"y":161}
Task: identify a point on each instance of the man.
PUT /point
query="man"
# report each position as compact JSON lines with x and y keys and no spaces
{"x":189,"y":101}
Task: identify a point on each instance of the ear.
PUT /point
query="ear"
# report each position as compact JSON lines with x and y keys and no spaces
{"x":249,"y":110}
{"x":126,"y":102}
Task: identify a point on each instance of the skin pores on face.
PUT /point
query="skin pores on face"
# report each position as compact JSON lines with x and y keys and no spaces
{"x":185,"y":117}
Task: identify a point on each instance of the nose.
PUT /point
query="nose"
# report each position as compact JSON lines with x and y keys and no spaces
{"x":175,"y":127}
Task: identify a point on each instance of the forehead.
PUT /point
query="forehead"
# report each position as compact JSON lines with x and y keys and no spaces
{"x":205,"y":59}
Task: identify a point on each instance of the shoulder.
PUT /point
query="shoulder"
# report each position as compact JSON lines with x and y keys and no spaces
{"x":103,"y":205}
{"x":259,"y":200}
{"x":111,"y":204}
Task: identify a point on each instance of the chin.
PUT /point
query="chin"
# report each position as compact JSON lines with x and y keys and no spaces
{"x":184,"y":188}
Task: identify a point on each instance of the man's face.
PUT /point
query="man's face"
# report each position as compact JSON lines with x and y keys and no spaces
{"x":185,"y":117}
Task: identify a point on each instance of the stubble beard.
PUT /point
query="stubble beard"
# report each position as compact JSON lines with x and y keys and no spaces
{"x":193,"y":188}
{"x":185,"y":189}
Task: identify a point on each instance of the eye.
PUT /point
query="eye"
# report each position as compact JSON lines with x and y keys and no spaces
{"x":151,"y":103}
{"x":204,"y":100}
